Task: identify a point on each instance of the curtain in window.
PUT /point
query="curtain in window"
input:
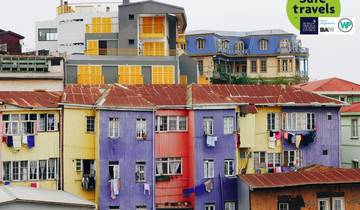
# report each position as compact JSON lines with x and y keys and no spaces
{"x":42,"y":170}
{"x":159,"y":168}
{"x":174,"y":167}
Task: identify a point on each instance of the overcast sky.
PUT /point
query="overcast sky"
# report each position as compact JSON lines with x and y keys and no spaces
{"x":330,"y":56}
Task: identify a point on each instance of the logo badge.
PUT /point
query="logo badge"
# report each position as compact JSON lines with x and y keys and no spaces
{"x":345,"y":25}
{"x":309,"y":25}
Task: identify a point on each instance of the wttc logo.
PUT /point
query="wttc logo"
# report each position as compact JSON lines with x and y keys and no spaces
{"x":345,"y":25}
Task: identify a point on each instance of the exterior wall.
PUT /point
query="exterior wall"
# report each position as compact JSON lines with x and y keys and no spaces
{"x":45,"y":45}
{"x":350,"y":98}
{"x":268,"y":198}
{"x":46,"y":147}
{"x":78,"y":145}
{"x":327,"y":137}
{"x":209,"y":49}
{"x":208,"y":66}
{"x":188,"y":67}
{"x":224,"y":188}
{"x":350,"y":147}
{"x":272,"y":68}
{"x":13,"y":43}
{"x":127,"y":150}
{"x":40,"y":206}
{"x":30,"y":85}
{"x":179,"y":145}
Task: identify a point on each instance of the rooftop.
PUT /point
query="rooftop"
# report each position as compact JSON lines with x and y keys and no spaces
{"x":330,"y":85}
{"x":326,"y":175}
{"x":31,"y":99}
{"x":14,"y":194}
{"x":355,"y":107}
{"x":238,"y":33}
{"x":3,"y":32}
{"x":82,"y":94}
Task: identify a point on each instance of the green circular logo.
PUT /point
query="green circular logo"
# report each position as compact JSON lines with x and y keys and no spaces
{"x":311,"y":8}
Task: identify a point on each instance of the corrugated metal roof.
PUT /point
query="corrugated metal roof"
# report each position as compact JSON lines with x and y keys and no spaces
{"x":332,"y":84}
{"x":355,"y":107}
{"x":31,"y":99}
{"x":260,"y":94}
{"x":238,"y":33}
{"x":302,"y":177}
{"x":13,"y":193}
{"x":82,"y":94}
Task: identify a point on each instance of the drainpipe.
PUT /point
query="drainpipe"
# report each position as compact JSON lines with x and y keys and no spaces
{"x":61,"y":148}
{"x":154,"y":160}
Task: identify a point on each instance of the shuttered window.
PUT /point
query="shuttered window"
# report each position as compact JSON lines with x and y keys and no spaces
{"x":130,"y":75}
{"x":163,"y":75}
{"x":89,"y":75}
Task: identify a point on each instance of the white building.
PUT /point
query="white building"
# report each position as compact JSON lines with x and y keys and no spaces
{"x":66,"y":33}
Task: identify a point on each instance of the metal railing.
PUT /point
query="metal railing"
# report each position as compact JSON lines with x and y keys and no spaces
{"x":152,"y":31}
{"x":233,"y":52}
{"x":284,"y":50}
{"x":130,"y":52}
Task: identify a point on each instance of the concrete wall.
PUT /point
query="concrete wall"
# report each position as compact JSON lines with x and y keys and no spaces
{"x":127,"y":150}
{"x":350,"y":147}
{"x":224,"y":188}
{"x":19,"y":205}
{"x":243,"y":195}
{"x":188,"y":67}
{"x":30,"y":85}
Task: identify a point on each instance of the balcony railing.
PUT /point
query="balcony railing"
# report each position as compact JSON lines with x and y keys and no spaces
{"x":233,"y":52}
{"x":152,"y":31}
{"x":130,"y":52}
{"x":64,"y":9}
{"x":101,"y":28}
{"x":301,"y":50}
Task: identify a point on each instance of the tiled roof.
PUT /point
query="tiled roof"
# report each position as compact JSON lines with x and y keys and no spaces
{"x":355,"y":107}
{"x":82,"y":94}
{"x":205,"y":94}
{"x":122,"y":96}
{"x":31,"y":99}
{"x":238,"y":33}
{"x":162,"y":95}
{"x":331,"y":84}
{"x":260,"y":94}
{"x":302,"y":177}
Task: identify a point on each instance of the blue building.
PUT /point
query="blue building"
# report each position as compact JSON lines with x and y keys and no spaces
{"x":257,"y":54}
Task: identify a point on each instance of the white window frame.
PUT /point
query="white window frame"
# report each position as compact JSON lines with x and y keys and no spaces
{"x":264,"y":44}
{"x":52,"y":175}
{"x":258,"y":162}
{"x":273,"y":121}
{"x":12,"y":125}
{"x":283,"y":206}
{"x":200,"y":43}
{"x":285,"y":43}
{"x":13,"y":174}
{"x":200,"y":65}
{"x":140,"y":172}
{"x":8,"y":171}
{"x":51,"y":126}
{"x":25,"y":120}
{"x":114,"y":127}
{"x":163,"y":123}
{"x":297,"y":156}
{"x":253,"y":68}
{"x":230,"y":205}
{"x":141,"y":128}
{"x":343,"y":97}
{"x":284,"y":65}
{"x":263,"y":66}
{"x":228,"y":125}
{"x":116,"y":170}
{"x":208,"y":126}
{"x":229,"y":167}
{"x":210,"y":206}
{"x":167,"y":163}
{"x":354,"y":128}
{"x":299,"y":121}
{"x":36,"y":170}
{"x":327,"y":203}
{"x":341,"y":199}
{"x":46,"y":166}
{"x":209,"y":169}
{"x":273,"y":158}
{"x":24,"y":170}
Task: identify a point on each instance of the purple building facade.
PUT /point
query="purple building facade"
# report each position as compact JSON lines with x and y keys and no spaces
{"x":222,"y":157}
{"x":320,"y":140}
{"x":133,"y":152}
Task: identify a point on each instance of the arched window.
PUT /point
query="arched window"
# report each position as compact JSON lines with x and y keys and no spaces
{"x":285,"y":43}
{"x":240,"y":46}
{"x":225,"y":44}
{"x":200,"y":43}
{"x":264,"y":44}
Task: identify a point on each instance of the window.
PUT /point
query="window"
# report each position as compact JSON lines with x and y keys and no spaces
{"x":209,"y":206}
{"x":42,"y":169}
{"x":284,"y":43}
{"x":253,"y":67}
{"x":208,"y":126}
{"x":163,"y":123}
{"x":264,"y":44}
{"x":229,"y":168}
{"x":228,"y":125}
{"x":259,"y":160}
{"x":152,"y":27}
{"x":182,"y":123}
{"x":114,"y":207}
{"x":355,"y":164}
{"x":6,"y":171}
{"x":141,"y":128}
{"x":131,"y":42}
{"x":325,"y":152}
{"x":323,"y":204}
{"x":171,"y":123}
{"x":240,"y":46}
{"x":114,"y":127}
{"x":200,"y":43}
{"x":140,"y":172}
{"x":200,"y":65}
{"x":298,"y":121}
{"x":283,"y":206}
{"x":284,"y":66}
{"x":329,"y":116}
{"x":229,"y":205}
{"x":51,"y":168}
{"x":343,"y":98}
{"x":168,"y":166}
{"x":163,"y":75}
{"x":140,"y":207}
{"x":273,"y":121}
{"x":263,"y":66}
{"x":78,"y":165}
{"x":46,"y":122}
{"x":51,"y":122}
{"x":11,"y":124}
{"x":225,"y":44}
{"x":310,"y":121}
{"x":28,"y":123}
{"x":209,"y":169}
{"x":34,"y":169}
{"x":23,"y":170}
{"x":47,"y":34}
{"x":131,"y":17}
{"x":354,"y":128}
{"x":90,"y":124}
{"x":16,"y":170}
{"x":292,"y":158}
{"x":338,"y":203}
{"x":274,"y":160}
{"x":114,"y":170}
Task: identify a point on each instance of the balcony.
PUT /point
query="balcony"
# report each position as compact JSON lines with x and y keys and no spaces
{"x":64,"y":9}
{"x":23,"y":64}
{"x":298,"y":50}
{"x":152,"y":31}
{"x":232,"y":52}
{"x":101,"y":28}
{"x":129,"y":52}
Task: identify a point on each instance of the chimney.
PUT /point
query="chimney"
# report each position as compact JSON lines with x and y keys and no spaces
{"x":126,"y":2}
{"x":65,"y":3}
{"x":61,"y":2}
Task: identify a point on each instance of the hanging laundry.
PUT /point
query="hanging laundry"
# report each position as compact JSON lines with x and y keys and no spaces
{"x":31,"y":141}
{"x":278,"y":143}
{"x":298,"y":141}
{"x":278,"y":169}
{"x":290,"y":136}
{"x":278,"y":135}
{"x":286,"y":135}
{"x":211,"y":140}
{"x":17,"y":142}
{"x":271,"y":143}
{"x":200,"y":189}
{"x":9,"y":141}
{"x":188,"y":192}
{"x":146,"y":188}
{"x":271,"y":133}
{"x":293,"y":139}
{"x":114,"y":188}
{"x":208,"y":185}
{"x":24,"y":140}
{"x":3,"y":139}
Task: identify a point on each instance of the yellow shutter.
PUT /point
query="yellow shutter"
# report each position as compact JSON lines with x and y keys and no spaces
{"x":203,"y":80}
{"x":183,"y":79}
{"x":106,"y":23}
{"x":154,"y":49}
{"x":92,"y":47}
{"x":159,"y":26}
{"x":96,"y":24}
{"x":130,"y":75}
{"x":169,"y":71}
{"x":89,"y":75}
{"x":163,"y":75}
